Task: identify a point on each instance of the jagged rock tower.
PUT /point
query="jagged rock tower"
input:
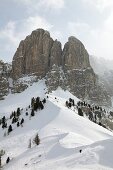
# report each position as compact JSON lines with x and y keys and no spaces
{"x":69,"y":68}
{"x":36,"y":54}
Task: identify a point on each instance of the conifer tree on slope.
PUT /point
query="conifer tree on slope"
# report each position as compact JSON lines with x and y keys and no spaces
{"x":37,"y":139}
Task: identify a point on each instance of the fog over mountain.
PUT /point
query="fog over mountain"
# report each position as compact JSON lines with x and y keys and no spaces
{"x":101,"y":65}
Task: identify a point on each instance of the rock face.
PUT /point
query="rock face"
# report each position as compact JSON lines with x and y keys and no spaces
{"x":56,"y":54}
{"x":79,"y":74}
{"x":36,"y":54}
{"x":5,"y":70}
{"x":75,"y":55}
{"x":108,"y":81}
{"x":69,"y":68}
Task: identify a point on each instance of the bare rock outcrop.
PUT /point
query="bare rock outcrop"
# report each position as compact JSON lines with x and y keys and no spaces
{"x":36,"y":54}
{"x":75,"y":55}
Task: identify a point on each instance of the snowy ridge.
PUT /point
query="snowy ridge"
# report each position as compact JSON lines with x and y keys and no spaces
{"x":62,"y":133}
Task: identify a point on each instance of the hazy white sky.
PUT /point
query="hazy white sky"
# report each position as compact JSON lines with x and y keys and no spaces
{"x":89,"y":20}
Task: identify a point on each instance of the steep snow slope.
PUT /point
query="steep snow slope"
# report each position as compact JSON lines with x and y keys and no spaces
{"x":12,"y":101}
{"x":62,"y":132}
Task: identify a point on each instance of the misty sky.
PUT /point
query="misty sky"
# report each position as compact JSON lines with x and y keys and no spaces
{"x":91,"y":21}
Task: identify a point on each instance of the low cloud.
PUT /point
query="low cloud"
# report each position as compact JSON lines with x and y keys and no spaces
{"x":46,"y":4}
{"x":56,"y":4}
{"x":100,"y":5}
{"x":97,"y":41}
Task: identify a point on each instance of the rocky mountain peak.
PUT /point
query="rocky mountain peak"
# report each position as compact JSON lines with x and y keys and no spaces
{"x":75,"y":55}
{"x":69,"y":68}
{"x":36,"y":54}
{"x":73,"y":39}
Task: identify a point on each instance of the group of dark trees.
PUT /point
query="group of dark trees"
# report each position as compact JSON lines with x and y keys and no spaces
{"x":94,"y":113}
{"x":16,"y":116}
{"x":37,"y":104}
{"x":70,"y":103}
{"x":3,"y":122}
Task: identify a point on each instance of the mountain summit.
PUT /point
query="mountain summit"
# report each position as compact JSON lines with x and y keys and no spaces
{"x":39,"y":52}
{"x":69,"y":68}
{"x":36,"y":54}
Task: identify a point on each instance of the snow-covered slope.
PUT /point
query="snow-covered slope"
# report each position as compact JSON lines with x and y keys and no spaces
{"x":62,"y":133}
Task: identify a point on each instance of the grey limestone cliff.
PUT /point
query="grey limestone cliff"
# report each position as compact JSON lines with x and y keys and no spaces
{"x":69,"y":68}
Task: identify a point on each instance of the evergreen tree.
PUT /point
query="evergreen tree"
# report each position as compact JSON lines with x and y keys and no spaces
{"x":91,"y":116}
{"x":4,"y":125}
{"x":3,"y":120}
{"x":32,"y":112}
{"x":80,"y":112}
{"x":18,"y":112}
{"x":69,"y":104}
{"x":10,"y":129}
{"x":37,"y":99}
{"x":81,"y":103}
{"x":7,"y":161}
{"x":41,"y":106}
{"x":37,"y":140}
{"x":14,"y":120}
{"x":26,"y":113}
{"x":11,"y":115}
{"x":73,"y":102}
{"x":32,"y":102}
{"x":14,"y":114}
{"x":22,"y":121}
{"x":70,"y":100}
{"x":44,"y":101}
{"x":78,"y":103}
{"x":36,"y":106}
{"x":18,"y":124}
